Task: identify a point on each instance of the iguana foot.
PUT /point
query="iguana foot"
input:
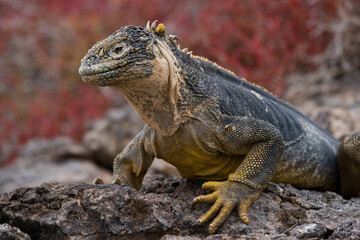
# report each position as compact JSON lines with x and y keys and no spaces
{"x":98,"y":181}
{"x":226,"y":195}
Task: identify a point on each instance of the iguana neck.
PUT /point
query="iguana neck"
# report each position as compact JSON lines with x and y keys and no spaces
{"x":156,"y":98}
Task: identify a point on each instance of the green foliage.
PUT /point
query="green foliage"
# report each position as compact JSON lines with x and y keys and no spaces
{"x":42,"y":43}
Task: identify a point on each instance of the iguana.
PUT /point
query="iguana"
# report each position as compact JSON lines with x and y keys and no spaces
{"x":212,"y":125}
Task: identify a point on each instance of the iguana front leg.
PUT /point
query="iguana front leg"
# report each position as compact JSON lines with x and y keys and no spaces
{"x":131,"y":165}
{"x":263,"y":145}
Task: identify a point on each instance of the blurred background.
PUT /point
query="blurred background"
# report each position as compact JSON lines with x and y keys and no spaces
{"x":298,"y":49}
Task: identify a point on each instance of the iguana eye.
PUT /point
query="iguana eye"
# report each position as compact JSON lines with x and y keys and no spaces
{"x":117,"y":50}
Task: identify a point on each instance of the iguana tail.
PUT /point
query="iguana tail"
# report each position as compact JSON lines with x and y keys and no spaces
{"x":348,"y":160}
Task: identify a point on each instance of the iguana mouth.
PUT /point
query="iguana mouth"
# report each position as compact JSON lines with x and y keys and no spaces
{"x":98,"y":70}
{"x":101,"y":75}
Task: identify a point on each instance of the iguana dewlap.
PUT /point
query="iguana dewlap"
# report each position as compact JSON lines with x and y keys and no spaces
{"x":212,"y":125}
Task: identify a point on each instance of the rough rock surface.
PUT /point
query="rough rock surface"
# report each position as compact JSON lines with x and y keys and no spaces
{"x":8,"y":232}
{"x":162,"y":210}
{"x":60,"y":159}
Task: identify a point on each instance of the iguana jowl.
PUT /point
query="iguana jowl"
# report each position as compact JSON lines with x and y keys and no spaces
{"x":214,"y":126}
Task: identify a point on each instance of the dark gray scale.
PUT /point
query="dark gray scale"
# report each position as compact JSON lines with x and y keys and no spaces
{"x":245,"y":101}
{"x":237,"y":97}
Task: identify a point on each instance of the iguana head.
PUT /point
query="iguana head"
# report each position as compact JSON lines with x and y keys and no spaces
{"x":125,"y":55}
{"x":140,"y":64}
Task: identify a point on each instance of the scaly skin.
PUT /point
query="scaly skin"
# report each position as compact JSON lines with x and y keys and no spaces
{"x":213,"y":125}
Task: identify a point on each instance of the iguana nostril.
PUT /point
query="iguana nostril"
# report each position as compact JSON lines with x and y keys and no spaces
{"x":91,"y":59}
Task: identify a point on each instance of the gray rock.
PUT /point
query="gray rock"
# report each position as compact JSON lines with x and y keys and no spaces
{"x":161,"y":209}
{"x":8,"y":232}
{"x":332,"y":103}
{"x":174,"y":237}
{"x":308,"y":230}
{"x":60,"y":159}
{"x":347,"y":230}
{"x":107,"y":137}
{"x":340,"y":121}
{"x":211,"y":237}
{"x":159,"y":166}
{"x":55,"y":149}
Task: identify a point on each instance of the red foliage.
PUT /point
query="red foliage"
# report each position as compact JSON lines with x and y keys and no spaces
{"x":42,"y":42}
{"x":47,"y":114}
{"x":260,"y":40}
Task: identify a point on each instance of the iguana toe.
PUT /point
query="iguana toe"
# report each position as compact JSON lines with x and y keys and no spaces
{"x":210,"y":198}
{"x":211,"y":212}
{"x":221,"y":217}
{"x":242,"y":211}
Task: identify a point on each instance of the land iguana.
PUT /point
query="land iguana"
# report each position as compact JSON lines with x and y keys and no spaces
{"x":212,"y":125}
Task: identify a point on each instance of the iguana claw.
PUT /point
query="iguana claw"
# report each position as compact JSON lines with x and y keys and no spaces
{"x":98,"y":181}
{"x":116,"y":181}
{"x":197,"y":222}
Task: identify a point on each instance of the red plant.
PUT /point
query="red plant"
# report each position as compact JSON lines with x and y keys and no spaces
{"x":47,"y":114}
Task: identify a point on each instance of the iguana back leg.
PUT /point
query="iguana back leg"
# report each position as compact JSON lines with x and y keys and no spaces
{"x":348,"y":160}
